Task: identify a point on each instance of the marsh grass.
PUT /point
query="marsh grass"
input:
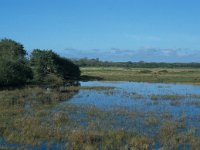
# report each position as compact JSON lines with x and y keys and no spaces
{"x":152,"y":121}
{"x":158,"y":75}
{"x":34,"y":116}
{"x":171,"y":138}
{"x":75,"y":88}
{"x":172,"y":97}
{"x":133,"y":95}
{"x":177,"y":100}
{"x":38,"y":128}
{"x":27,"y":126}
{"x":108,"y":140}
{"x":194,"y":103}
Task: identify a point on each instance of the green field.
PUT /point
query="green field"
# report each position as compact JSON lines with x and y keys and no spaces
{"x":143,"y":75}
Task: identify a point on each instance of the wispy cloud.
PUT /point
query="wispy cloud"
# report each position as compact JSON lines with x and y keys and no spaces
{"x":142,"y":54}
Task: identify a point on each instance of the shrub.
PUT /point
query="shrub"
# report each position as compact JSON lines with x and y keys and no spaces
{"x":14,"y":69}
{"x":14,"y":73}
{"x":145,"y":71}
{"x":48,"y":65}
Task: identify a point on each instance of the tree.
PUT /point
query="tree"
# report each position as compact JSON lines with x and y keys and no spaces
{"x":14,"y":69}
{"x":46,"y":63}
{"x":14,"y":73}
{"x":10,"y":49}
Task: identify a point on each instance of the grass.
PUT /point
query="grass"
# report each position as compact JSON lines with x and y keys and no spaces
{"x":21,"y":125}
{"x":78,"y":127}
{"x":144,"y":75}
{"x":33,"y":116}
{"x":172,"y":97}
{"x":97,"y":88}
{"x":132,"y":95}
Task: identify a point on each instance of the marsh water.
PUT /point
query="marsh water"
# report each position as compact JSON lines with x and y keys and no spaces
{"x":138,"y":96}
{"x":147,"y":99}
{"x":134,"y":107}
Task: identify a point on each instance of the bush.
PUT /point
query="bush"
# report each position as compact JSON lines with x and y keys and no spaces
{"x":163,"y":71}
{"x":145,"y":71}
{"x":10,"y":49}
{"x":14,"y":73}
{"x":46,"y":63}
{"x":14,"y":69}
{"x":53,"y":80}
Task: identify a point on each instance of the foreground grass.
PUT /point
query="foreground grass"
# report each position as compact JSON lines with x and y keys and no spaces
{"x":33,"y":116}
{"x":144,"y":75}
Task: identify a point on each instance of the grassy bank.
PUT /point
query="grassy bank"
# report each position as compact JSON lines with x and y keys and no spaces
{"x":143,"y":75}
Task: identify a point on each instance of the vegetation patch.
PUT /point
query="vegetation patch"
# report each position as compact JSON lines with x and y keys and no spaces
{"x":145,"y":71}
{"x":189,"y":76}
{"x":167,"y":97}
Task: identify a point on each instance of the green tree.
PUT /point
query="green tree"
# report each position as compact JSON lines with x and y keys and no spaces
{"x":14,"y":73}
{"x":10,"y":49}
{"x":47,"y":64}
{"x":14,"y":69}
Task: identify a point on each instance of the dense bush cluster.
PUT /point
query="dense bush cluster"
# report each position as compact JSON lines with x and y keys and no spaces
{"x":44,"y":66}
{"x":51,"y":69}
{"x":14,"y":68}
{"x":14,"y":73}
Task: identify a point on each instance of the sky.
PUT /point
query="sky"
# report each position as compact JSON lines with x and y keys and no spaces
{"x":115,"y":30}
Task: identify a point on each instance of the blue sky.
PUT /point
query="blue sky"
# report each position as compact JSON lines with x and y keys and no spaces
{"x":117,"y":30}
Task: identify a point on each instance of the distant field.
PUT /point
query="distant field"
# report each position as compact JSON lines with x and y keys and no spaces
{"x":144,"y":75}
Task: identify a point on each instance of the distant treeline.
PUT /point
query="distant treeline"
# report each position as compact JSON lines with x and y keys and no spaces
{"x":85,"y":62}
